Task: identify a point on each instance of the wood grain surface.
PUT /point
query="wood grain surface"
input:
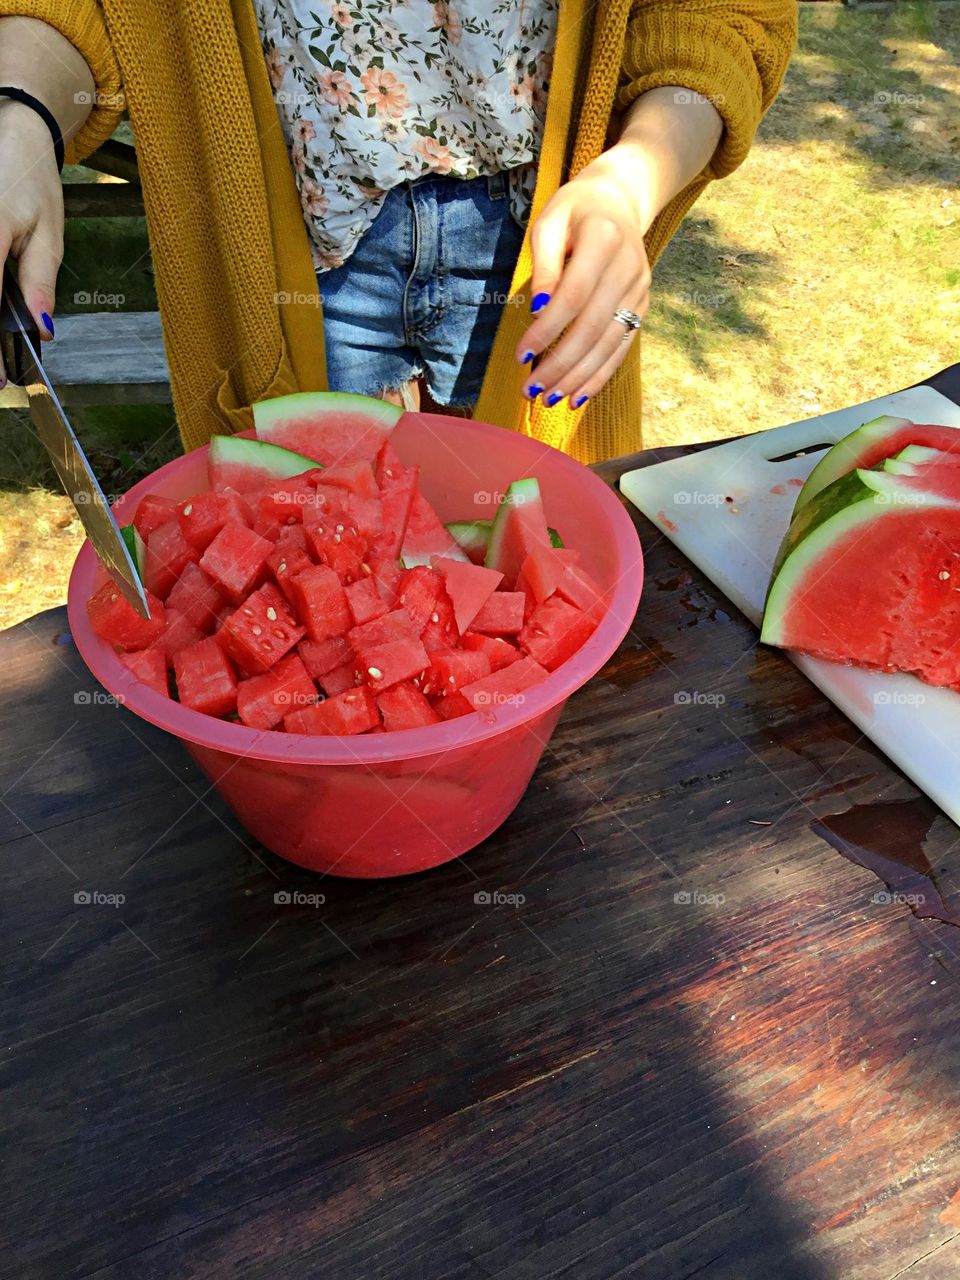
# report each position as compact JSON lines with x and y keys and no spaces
{"x":699,"y":1046}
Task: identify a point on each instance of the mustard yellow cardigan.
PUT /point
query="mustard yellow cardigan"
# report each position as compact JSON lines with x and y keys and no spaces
{"x":225,"y":223}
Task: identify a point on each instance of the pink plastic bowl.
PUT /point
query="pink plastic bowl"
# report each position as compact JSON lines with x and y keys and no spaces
{"x":395,"y":803}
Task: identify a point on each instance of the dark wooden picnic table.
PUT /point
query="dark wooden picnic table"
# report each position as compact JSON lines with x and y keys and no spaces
{"x":701,"y":1045}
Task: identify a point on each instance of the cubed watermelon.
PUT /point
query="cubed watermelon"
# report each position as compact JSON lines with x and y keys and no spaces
{"x":384,"y":665}
{"x":285,"y":562}
{"x":196,"y":597}
{"x":152,"y":512}
{"x":168,"y":554}
{"x":505,"y":687}
{"x":236,"y":560}
{"x":405,"y":707}
{"x":427,"y":536}
{"x":469,"y":587}
{"x":417,"y":591}
{"x":354,"y":711}
{"x":204,"y":515}
{"x":321,"y":657}
{"x":555,"y":631}
{"x":502,"y":614}
{"x":320,"y":601}
{"x":263,"y":701}
{"x":260,"y":631}
{"x":339,"y":679}
{"x":178,"y":633}
{"x":452,"y":705}
{"x":441,"y":631}
{"x":365,"y":601}
{"x":542,"y":570}
{"x":396,"y":625}
{"x":355,"y":477}
{"x":451,"y":669}
{"x":205,"y":678}
{"x":579,"y":589}
{"x":399,"y":485}
{"x":150,"y":667}
{"x":500,"y":653}
{"x":115,"y":620}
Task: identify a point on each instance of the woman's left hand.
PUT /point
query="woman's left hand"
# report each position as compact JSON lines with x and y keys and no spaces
{"x":589,"y":260}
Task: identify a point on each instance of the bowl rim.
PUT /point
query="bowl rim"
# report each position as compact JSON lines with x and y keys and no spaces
{"x":278,"y":747}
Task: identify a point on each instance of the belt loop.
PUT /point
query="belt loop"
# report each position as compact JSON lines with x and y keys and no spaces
{"x":497,"y":185}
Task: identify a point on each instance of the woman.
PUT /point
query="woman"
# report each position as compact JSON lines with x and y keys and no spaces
{"x":646,"y":102}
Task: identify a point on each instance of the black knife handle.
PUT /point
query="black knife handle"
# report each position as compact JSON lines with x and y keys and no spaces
{"x":14,"y":309}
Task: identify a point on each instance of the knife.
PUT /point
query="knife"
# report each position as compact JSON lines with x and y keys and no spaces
{"x":20,"y":344}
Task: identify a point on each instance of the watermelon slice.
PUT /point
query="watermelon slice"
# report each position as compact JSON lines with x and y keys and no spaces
{"x":879,"y":548}
{"x":469,"y":587}
{"x":330,"y":427}
{"x":518,"y":528}
{"x":473,"y":536}
{"x":427,"y":537}
{"x":868,"y":446}
{"x":234,"y":462}
{"x":136,"y":546}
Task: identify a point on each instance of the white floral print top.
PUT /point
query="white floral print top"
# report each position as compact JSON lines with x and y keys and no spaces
{"x":374,"y":92}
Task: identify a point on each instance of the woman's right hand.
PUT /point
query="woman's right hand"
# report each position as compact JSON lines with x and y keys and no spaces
{"x":31,"y":210}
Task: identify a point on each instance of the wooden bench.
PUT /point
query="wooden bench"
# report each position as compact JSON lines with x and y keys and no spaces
{"x":104,"y":357}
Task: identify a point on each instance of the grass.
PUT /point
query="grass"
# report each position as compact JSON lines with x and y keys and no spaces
{"x":826,"y":271}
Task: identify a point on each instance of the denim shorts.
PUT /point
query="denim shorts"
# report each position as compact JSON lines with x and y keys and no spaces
{"x":423,"y":291}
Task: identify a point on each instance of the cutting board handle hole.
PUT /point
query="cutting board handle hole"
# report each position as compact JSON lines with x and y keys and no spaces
{"x":801,"y":453}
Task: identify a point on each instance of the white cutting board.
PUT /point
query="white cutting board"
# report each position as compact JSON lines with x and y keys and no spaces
{"x":735,"y":544}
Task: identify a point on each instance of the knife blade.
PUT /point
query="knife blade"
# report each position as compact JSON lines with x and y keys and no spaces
{"x":20,"y":343}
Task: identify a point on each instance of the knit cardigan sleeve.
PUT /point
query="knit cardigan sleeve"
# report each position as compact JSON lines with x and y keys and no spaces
{"x":82,"y":23}
{"x":735,"y":54}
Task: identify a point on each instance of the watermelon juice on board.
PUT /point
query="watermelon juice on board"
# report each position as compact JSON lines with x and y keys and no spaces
{"x":368,"y":656}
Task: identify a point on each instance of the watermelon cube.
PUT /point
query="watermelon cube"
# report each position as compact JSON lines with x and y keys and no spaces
{"x":417,"y":591}
{"x":354,"y":711}
{"x":579,"y":589}
{"x":500,"y":653}
{"x":400,"y":486}
{"x":469,"y":587}
{"x":405,"y":707}
{"x":385,"y":573}
{"x":196,"y":597}
{"x":284,"y":502}
{"x":427,"y":536}
{"x":451,"y":669}
{"x":355,"y":477}
{"x":285,"y":562}
{"x":340,"y":679}
{"x":203,"y":516}
{"x":168,"y":554}
{"x":236,"y":560}
{"x":319,"y":599}
{"x":115,"y":620}
{"x":152,"y":512}
{"x":505,"y":687}
{"x":338,"y":545}
{"x":555,"y":631}
{"x":502,"y":614}
{"x":260,"y":631}
{"x":205,"y":679}
{"x":441,"y":630}
{"x":452,"y":705}
{"x":396,"y":625}
{"x":293,"y":535}
{"x":387,"y":664}
{"x":150,"y":667}
{"x":321,"y":657}
{"x":178,"y":633}
{"x":263,"y":701}
{"x":365,"y":601}
{"x":387,"y":466}
{"x":542,"y":570}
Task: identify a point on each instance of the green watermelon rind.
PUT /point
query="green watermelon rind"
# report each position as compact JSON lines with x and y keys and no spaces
{"x":135,"y":546}
{"x":271,"y":460}
{"x":268,"y":414}
{"x":846,"y":455}
{"x":849,"y":503}
{"x":474,"y":535}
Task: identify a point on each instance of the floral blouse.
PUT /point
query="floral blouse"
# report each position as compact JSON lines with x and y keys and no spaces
{"x":372,"y":93}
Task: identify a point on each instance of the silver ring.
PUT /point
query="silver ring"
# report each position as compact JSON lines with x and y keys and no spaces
{"x":629,"y":318}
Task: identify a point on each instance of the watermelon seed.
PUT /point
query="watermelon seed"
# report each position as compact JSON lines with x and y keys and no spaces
{"x":279,"y":633}
{"x":282,"y":567}
{"x":374,"y":673}
{"x":434,"y":617}
{"x":255,"y":629}
{"x":366,"y":568}
{"x":272,"y":614}
{"x":336,"y":537}
{"x":248,"y":613}
{"x":339,"y":528}
{"x":389,"y":473}
{"x":188,"y":508}
{"x":943,"y":575}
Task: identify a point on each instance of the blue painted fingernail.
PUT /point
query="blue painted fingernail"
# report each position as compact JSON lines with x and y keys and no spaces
{"x":553,"y":398}
{"x":580,"y":402}
{"x":534,"y":390}
{"x":527,"y":357}
{"x":539,"y":301}
{"x":47,"y":323}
